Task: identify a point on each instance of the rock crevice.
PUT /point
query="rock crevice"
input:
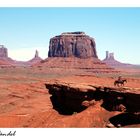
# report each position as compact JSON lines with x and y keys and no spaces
{"x":71,"y":97}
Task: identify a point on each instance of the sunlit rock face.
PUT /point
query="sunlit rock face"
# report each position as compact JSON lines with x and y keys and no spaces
{"x":72,"y":44}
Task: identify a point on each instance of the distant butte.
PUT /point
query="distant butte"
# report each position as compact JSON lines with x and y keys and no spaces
{"x":36,"y":58}
{"x":74,"y":50}
{"x":3,"y":52}
{"x":4,"y":59}
{"x":112,"y":62}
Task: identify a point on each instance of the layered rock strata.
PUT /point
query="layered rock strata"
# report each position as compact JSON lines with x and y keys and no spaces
{"x":72,"y":44}
{"x":74,"y":50}
{"x":68,"y":98}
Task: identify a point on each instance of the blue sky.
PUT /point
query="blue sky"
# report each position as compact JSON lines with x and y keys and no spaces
{"x":23,"y":30}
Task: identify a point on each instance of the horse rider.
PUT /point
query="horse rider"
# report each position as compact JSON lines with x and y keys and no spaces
{"x":120,"y":78}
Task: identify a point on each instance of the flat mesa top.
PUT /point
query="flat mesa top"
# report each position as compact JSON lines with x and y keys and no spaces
{"x":73,"y":33}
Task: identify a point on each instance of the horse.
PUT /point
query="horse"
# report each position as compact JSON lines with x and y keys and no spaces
{"x":120,"y":82}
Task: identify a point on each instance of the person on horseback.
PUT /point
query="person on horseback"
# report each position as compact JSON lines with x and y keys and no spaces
{"x":120,"y":78}
{"x":120,"y":81}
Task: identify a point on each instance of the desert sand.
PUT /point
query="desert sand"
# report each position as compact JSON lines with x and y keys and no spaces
{"x":25,"y":101}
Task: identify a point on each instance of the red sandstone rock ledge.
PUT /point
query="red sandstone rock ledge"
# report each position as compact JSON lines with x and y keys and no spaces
{"x":73,"y":97}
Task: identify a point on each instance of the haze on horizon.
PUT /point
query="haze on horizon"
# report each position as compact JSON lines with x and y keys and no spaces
{"x":24,"y":30}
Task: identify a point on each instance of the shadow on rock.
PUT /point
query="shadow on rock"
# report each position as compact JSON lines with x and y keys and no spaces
{"x":125,"y":119}
{"x":64,"y":108}
{"x":68,"y":99}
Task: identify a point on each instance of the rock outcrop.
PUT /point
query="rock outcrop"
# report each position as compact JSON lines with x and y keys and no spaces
{"x":36,"y":59}
{"x":89,"y":65}
{"x":72,"y":44}
{"x":68,"y":98}
{"x":112,"y":62}
{"x":3,"y":52}
{"x":4,"y":59}
{"x":74,"y":50}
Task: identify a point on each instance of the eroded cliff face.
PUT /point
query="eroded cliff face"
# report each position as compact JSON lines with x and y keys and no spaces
{"x":72,"y":44}
{"x":74,"y":51}
{"x":68,"y":98}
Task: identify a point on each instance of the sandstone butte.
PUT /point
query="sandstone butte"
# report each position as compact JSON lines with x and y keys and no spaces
{"x":6,"y":61}
{"x":72,"y":44}
{"x":111,"y":61}
{"x":35,"y":59}
{"x":74,"y":50}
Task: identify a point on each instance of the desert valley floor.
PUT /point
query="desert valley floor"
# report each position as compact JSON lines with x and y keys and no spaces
{"x":25,"y":101}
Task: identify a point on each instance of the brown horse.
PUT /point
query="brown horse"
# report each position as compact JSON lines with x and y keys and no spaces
{"x":120,"y":82}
